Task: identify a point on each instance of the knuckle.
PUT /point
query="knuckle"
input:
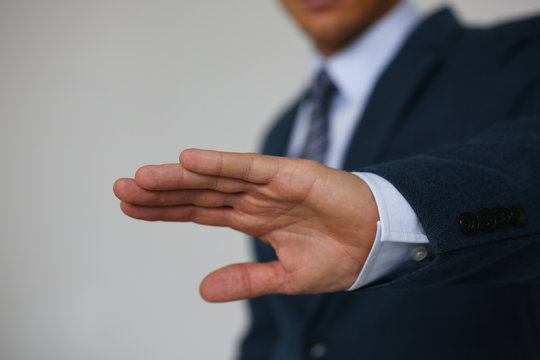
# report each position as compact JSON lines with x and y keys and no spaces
{"x":213,"y":183}
{"x":160,"y":198}
{"x":248,"y":169}
{"x":245,"y":281}
{"x":219,"y":165}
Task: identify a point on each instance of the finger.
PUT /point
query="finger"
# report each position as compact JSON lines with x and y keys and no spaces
{"x":253,"y":168}
{"x":174,"y":176}
{"x":206,"y":216}
{"x":244,"y":281}
{"x":127,"y":190}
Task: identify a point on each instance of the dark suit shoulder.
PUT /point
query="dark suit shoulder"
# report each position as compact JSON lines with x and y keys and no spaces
{"x":508,"y":54}
{"x":443,"y":34}
{"x":506,"y":42}
{"x":524,"y":27}
{"x":493,"y":67}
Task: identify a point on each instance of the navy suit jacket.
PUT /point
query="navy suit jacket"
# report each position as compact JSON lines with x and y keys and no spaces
{"x":453,"y":124}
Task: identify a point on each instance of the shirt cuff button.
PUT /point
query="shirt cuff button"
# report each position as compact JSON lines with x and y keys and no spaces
{"x":419,"y":253}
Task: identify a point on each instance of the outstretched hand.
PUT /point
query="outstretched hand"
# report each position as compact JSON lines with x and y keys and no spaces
{"x":320,"y":221}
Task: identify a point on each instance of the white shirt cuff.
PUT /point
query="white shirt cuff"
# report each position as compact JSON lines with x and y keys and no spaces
{"x":400,"y":243}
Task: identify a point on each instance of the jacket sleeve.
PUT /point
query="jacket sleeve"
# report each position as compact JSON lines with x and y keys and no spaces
{"x":448,"y":187}
{"x":497,"y":168}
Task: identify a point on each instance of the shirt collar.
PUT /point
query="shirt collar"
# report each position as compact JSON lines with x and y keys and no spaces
{"x":354,"y":69}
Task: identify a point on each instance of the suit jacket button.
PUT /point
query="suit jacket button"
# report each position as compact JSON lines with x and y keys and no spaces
{"x":487,"y":221}
{"x":502,"y":217}
{"x":468,"y":222}
{"x":317,"y":349}
{"x":518,"y":216}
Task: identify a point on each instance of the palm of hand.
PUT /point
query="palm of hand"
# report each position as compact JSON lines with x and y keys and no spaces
{"x":320,"y":221}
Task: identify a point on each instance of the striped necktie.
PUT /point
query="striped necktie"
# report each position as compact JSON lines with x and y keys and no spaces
{"x":320,"y":97}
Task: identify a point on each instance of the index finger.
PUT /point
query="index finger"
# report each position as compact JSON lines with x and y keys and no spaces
{"x":254,"y":168}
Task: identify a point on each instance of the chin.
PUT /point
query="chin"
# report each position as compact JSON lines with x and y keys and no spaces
{"x":335,"y":21}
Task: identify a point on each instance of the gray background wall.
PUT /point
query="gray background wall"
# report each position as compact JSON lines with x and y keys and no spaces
{"x":90,"y":91}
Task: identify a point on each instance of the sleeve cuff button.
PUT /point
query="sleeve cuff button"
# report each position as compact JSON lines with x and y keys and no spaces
{"x":468,"y":223}
{"x":419,"y":253}
{"x":518,"y":216}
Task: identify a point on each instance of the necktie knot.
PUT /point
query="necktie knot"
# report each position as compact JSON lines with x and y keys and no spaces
{"x":323,"y":89}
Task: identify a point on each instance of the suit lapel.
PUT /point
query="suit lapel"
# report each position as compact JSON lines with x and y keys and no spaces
{"x":398,"y":87}
{"x":278,"y":139}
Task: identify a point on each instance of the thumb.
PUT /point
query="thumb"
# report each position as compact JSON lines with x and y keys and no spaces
{"x":242,"y":281}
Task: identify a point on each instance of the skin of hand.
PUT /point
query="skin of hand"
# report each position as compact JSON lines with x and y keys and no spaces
{"x":320,"y":221}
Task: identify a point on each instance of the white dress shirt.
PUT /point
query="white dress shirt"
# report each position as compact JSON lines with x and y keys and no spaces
{"x":400,"y":244}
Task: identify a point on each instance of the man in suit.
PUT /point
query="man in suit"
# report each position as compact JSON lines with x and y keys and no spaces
{"x":434,"y":220}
